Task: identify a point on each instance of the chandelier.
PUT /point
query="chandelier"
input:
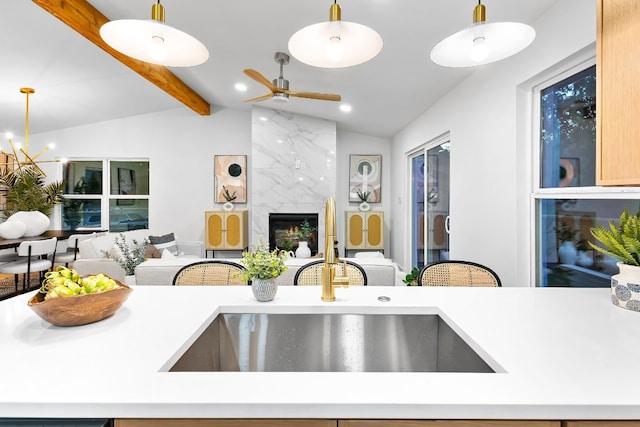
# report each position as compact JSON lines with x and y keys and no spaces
{"x":20,"y":158}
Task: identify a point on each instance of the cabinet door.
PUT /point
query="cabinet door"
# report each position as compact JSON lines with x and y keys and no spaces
{"x":234,"y":231}
{"x":446,"y":423}
{"x":375,"y":230}
{"x":601,"y":424}
{"x":355,"y":231}
{"x":214,"y":230}
{"x":618,"y":92}
{"x":173,"y":422}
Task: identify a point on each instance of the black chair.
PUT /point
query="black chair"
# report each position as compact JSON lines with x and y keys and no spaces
{"x":457,"y":273}
{"x":311,"y":274}
{"x":211,"y":273}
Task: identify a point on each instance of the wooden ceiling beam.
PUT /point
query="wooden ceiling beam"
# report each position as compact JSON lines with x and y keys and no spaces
{"x":87,"y":20}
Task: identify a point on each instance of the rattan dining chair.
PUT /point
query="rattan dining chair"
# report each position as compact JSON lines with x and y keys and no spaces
{"x":211,"y":273}
{"x":457,"y":273}
{"x":311,"y":274}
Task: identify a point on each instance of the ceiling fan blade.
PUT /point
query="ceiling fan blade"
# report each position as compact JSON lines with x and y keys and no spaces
{"x":260,"y":78}
{"x":313,"y":95}
{"x":260,"y":98}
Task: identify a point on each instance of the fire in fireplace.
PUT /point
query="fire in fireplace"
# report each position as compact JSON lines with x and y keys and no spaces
{"x":285,"y":230}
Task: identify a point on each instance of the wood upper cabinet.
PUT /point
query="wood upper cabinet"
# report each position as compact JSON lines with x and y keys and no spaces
{"x":364,"y":230}
{"x":618,"y":93}
{"x":225,"y":423}
{"x":447,"y":423}
{"x":226,"y":230}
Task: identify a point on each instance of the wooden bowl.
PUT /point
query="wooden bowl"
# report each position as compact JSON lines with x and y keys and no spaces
{"x":80,"y":309}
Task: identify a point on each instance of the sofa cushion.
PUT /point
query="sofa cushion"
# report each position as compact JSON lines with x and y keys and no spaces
{"x":167,"y":241}
{"x":152,"y":252}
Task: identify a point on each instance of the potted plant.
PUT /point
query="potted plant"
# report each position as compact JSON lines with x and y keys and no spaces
{"x":623,"y":243}
{"x":128,"y":257}
{"x":567,"y":251}
{"x":229,"y":198}
{"x":262,"y":268}
{"x":29,"y":199}
{"x":304,"y":234}
{"x":363,"y":196}
{"x":411,"y":279}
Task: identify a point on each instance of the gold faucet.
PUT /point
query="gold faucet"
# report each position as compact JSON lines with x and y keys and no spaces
{"x":329,"y":279}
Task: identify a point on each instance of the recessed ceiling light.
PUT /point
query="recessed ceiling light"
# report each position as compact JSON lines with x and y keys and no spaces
{"x":264,"y":119}
{"x":345,"y":108}
{"x":241,"y":87}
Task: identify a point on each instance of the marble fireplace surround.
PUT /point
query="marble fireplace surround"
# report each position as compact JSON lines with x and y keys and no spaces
{"x":292,"y":167}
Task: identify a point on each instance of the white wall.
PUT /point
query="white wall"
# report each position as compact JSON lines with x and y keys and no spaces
{"x":490,"y":155}
{"x":180,"y":146}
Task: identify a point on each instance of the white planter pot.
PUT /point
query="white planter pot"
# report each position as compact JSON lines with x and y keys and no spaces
{"x":364,"y":206}
{"x":36,"y":222}
{"x":130,"y":280}
{"x":12,"y":229}
{"x":567,"y":253}
{"x":625,"y":287}
{"x":228,"y":206}
{"x":303,"y":250}
{"x":264,"y":289}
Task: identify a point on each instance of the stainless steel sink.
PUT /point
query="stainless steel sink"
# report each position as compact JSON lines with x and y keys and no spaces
{"x":330,"y":343}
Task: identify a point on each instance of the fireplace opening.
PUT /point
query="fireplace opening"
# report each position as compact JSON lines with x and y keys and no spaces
{"x":285,"y":228}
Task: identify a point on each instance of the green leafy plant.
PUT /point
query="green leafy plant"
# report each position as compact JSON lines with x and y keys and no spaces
{"x":227,"y":196}
{"x":260,"y":263}
{"x":411,"y":279}
{"x":363,"y":196}
{"x":565,"y":233}
{"x":129,"y":257}
{"x":305,"y":231}
{"x":28,"y":191}
{"x":621,"y":242}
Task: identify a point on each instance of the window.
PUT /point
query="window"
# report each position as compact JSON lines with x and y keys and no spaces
{"x":121,"y":205}
{"x":567,"y":203}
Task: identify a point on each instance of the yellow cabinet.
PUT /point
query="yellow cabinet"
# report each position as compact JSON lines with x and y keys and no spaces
{"x":446,"y":423}
{"x":364,"y":230}
{"x":226,"y":230}
{"x":618,"y":92}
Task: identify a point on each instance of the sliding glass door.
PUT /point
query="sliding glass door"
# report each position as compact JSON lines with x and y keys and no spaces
{"x":430,"y":225}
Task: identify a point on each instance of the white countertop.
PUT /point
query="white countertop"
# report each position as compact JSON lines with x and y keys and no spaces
{"x":564,"y":354}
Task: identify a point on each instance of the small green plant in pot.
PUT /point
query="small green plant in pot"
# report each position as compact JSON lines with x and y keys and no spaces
{"x":623,"y":243}
{"x":262,"y":268}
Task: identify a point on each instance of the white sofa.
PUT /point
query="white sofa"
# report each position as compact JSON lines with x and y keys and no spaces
{"x":380,"y":271}
{"x":94,"y":259}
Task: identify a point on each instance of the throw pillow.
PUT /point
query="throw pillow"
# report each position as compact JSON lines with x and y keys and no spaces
{"x":152,"y":252}
{"x":168,"y":241}
{"x":114,"y":253}
{"x":167,"y":254}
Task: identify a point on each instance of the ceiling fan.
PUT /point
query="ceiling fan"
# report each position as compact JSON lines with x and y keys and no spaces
{"x":280,"y":86}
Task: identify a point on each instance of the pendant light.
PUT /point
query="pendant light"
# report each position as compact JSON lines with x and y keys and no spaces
{"x":336,"y":43}
{"x":154,"y":41}
{"x":20,"y":156}
{"x":482,"y":43}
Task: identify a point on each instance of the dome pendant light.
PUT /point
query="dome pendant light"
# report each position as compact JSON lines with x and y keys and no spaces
{"x":336,"y":43}
{"x":154,"y":41}
{"x":482,"y":43}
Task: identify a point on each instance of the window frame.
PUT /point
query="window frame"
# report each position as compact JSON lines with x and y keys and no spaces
{"x":561,"y":71}
{"x":106,"y":196}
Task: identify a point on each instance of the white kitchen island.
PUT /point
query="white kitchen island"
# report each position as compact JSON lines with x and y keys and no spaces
{"x":561,"y":354}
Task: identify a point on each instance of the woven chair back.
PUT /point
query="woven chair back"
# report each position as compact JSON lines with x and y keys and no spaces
{"x":211,"y":273}
{"x":311,"y":274}
{"x":457,"y":273}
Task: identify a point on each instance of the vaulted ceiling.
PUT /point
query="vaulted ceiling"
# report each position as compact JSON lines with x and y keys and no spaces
{"x":77,"y":83}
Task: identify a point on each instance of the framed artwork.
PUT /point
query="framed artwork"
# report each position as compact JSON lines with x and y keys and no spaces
{"x":432,"y":179}
{"x":230,"y":173}
{"x":569,"y":172}
{"x":126,"y":181}
{"x":365,"y":172}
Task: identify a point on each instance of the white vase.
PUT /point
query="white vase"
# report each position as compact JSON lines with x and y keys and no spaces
{"x":364,"y":206}
{"x":567,"y":253}
{"x":625,"y":287}
{"x":264,"y":289}
{"x":584,"y":260}
{"x":130,"y":280}
{"x":228,"y":206}
{"x":36,"y":222}
{"x":12,"y":229}
{"x":303,"y":250}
